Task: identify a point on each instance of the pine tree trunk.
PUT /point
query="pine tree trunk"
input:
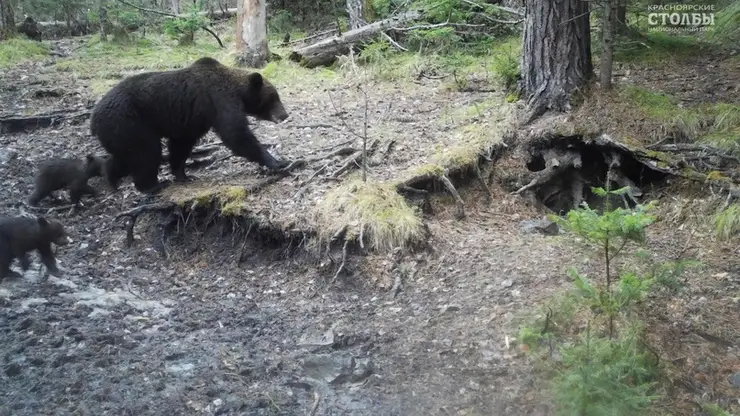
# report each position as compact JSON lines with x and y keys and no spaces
{"x":607,"y":42}
{"x":251,"y":34}
{"x":7,"y":20}
{"x":556,"y":59}
{"x":356,"y":10}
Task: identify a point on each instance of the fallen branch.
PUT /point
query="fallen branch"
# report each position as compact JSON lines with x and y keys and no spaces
{"x":17,"y":124}
{"x":326,"y":51}
{"x":356,"y":159}
{"x":314,"y":36}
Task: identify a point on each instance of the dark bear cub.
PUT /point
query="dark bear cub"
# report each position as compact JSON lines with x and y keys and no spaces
{"x":67,"y":173}
{"x":182,"y":106}
{"x":21,"y":235}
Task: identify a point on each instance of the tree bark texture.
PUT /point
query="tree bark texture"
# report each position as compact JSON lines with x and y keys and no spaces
{"x":607,"y":43}
{"x":556,"y":59}
{"x":356,"y":11}
{"x":7,"y":20}
{"x":251,"y":34}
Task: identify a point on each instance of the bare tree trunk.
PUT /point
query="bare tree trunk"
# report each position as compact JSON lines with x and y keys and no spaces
{"x":7,"y":20}
{"x":356,"y":10}
{"x":175,"y":6}
{"x":621,"y":23}
{"x":251,"y":33}
{"x":607,"y":42}
{"x":104,"y":22}
{"x":556,"y":60}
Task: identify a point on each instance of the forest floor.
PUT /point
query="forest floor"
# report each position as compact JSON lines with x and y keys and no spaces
{"x":211,"y":323}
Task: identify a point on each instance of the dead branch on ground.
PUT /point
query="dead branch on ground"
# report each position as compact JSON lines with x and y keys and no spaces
{"x":17,"y":124}
{"x":357,"y":159}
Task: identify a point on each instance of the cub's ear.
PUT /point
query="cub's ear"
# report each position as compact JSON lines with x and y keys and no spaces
{"x":255,"y":80}
{"x":43,"y":222}
{"x":90,"y":157}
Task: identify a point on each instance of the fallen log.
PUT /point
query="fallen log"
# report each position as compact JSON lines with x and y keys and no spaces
{"x":325,"y":52}
{"x":17,"y":124}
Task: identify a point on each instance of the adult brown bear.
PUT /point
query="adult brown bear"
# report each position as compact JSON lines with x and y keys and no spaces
{"x":182,"y":106}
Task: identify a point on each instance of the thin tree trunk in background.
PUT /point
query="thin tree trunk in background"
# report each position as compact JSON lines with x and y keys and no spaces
{"x":356,"y":11}
{"x":251,"y":33}
{"x":556,"y":59}
{"x":607,"y":42}
{"x":175,"y":6}
{"x":621,"y":22}
{"x":7,"y":20}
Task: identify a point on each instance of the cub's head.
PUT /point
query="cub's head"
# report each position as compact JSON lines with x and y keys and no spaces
{"x":53,"y":231}
{"x":94,"y":165}
{"x":261,"y":99}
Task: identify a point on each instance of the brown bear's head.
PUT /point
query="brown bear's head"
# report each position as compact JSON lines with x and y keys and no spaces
{"x":262,"y":100}
{"x":53,"y":231}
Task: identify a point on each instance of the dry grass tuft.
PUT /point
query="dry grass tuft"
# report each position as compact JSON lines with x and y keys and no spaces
{"x":372,"y":211}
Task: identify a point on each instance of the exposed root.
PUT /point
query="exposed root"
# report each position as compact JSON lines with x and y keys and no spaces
{"x":344,"y":261}
{"x":460,"y":205}
{"x":133,"y":214}
{"x":482,"y":181}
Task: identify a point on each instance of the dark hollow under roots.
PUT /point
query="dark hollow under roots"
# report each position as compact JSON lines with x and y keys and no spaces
{"x":192,"y":230}
{"x":567,"y":168}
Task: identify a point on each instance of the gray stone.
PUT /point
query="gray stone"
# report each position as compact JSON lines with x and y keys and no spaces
{"x":542,"y":226}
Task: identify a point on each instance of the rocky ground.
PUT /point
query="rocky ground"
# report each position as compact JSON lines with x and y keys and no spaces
{"x":220,"y":326}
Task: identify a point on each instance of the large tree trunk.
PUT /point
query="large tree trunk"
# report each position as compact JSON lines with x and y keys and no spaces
{"x":7,"y":20}
{"x":607,"y":43}
{"x":251,"y":33}
{"x":556,"y":58}
{"x":356,"y":11}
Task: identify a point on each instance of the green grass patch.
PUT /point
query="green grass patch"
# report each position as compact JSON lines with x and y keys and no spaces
{"x":726,"y":31}
{"x":716,"y":124}
{"x":374,"y":211}
{"x":657,"y":48}
{"x":727,"y":222}
{"x":21,"y":49}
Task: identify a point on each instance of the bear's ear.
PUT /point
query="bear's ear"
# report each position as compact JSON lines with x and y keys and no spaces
{"x":43,"y":222}
{"x":90,"y":157}
{"x":255,"y":80}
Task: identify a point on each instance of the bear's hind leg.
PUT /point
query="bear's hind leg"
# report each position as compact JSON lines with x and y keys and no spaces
{"x":114,"y":170}
{"x":180,"y":149}
{"x":145,"y":169}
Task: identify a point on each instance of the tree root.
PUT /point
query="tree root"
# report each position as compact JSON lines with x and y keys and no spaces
{"x":133,"y":214}
{"x":460,"y":205}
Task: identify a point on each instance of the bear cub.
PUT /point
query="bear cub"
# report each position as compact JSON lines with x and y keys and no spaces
{"x":67,"y":173}
{"x":21,"y":235}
